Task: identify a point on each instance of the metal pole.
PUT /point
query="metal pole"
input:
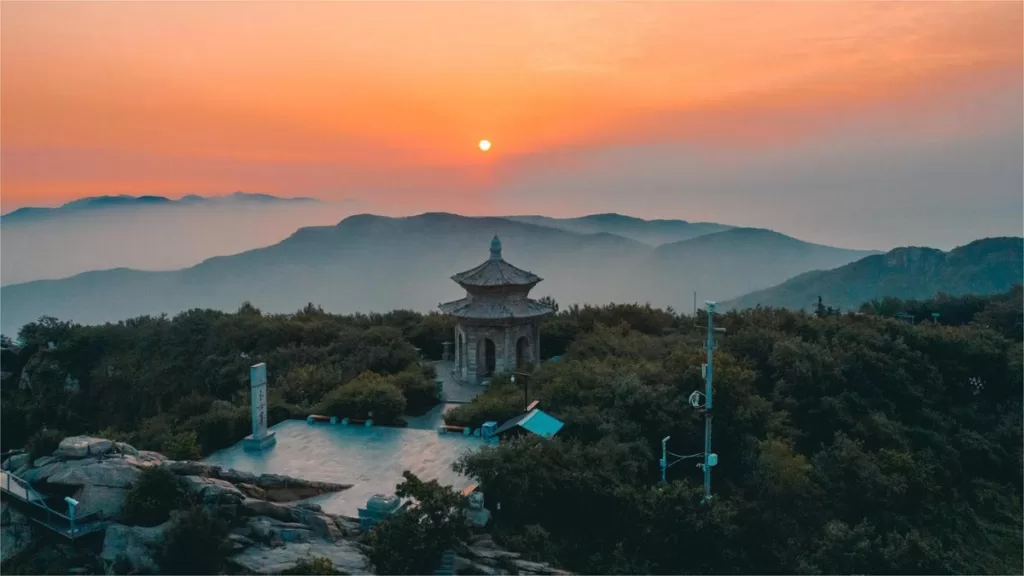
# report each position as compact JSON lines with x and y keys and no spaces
{"x":664,"y":458}
{"x":708,"y":402}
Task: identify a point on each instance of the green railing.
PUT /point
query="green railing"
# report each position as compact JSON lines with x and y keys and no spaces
{"x":37,"y":511}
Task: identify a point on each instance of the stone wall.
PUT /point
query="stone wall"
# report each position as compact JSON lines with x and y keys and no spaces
{"x":470,"y":351}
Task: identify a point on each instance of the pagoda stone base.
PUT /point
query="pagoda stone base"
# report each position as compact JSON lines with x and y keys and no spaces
{"x":251,"y":444}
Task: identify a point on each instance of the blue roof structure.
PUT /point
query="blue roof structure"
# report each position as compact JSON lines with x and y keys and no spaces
{"x":536,"y":422}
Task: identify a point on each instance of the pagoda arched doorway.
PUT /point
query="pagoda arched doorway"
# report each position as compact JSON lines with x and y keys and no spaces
{"x":485,"y":357}
{"x":522,"y":352}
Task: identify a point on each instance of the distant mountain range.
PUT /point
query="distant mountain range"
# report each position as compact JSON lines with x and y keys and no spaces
{"x":650,"y":232}
{"x":99,"y":203}
{"x":987,"y":266}
{"x":374,"y":263}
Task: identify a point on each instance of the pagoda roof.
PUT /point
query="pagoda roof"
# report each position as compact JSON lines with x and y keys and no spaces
{"x":495,"y":309}
{"x":496,"y":272}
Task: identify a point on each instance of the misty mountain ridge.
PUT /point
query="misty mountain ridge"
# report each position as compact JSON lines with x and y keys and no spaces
{"x":92,"y":203}
{"x":375,"y":263}
{"x":650,"y":232}
{"x":982,"y":267}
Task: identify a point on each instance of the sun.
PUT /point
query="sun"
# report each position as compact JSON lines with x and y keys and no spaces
{"x":484,"y":145}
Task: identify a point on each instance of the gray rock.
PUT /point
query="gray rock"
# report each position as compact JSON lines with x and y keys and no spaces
{"x":322,"y":525}
{"x":276,"y":511}
{"x":18,"y":461}
{"x":466,"y":566}
{"x":491,"y":554}
{"x":345,"y":555}
{"x":239,"y":542}
{"x":125,"y":448}
{"x":16,"y":533}
{"x":43,"y":461}
{"x":108,"y":502}
{"x":211,"y":489}
{"x":137,"y":545}
{"x":109,"y":473}
{"x":42,"y":473}
{"x":82,"y":447}
{"x":261,"y":529}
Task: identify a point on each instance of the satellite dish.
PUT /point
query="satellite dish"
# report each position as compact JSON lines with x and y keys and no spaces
{"x":695,"y":399}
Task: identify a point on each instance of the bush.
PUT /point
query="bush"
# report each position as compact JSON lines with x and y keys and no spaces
{"x":368,"y":396}
{"x":182,"y":446}
{"x":419,"y":391}
{"x":154,"y":495}
{"x":44,"y":442}
{"x":195,"y":545}
{"x":413,"y":540}
{"x":313,"y":565}
{"x":221,"y":427}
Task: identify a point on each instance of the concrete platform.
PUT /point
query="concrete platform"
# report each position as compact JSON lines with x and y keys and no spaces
{"x":371,"y":459}
{"x":455,"y":391}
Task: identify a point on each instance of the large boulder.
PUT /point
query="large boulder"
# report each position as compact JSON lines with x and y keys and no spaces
{"x":109,"y":473}
{"x":346,"y":556}
{"x":254,"y":507}
{"x":18,"y":461}
{"x":272,"y":487}
{"x":211,"y":489}
{"x":107,"y":502}
{"x":16,"y":533}
{"x":74,"y":447}
{"x":137,"y":546}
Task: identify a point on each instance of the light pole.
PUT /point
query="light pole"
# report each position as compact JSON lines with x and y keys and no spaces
{"x":526,"y":388}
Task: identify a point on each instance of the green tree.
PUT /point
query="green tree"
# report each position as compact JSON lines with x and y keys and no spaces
{"x":413,"y":540}
{"x":368,"y":396}
{"x":155,"y":494}
{"x":197,"y":544}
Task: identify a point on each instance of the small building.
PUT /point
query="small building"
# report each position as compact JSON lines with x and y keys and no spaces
{"x":535,"y":422}
{"x":498,"y":324}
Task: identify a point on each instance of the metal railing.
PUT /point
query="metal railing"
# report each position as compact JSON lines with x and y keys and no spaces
{"x":40,"y":513}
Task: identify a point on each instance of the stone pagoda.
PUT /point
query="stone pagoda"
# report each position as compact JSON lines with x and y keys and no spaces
{"x":498,"y":328}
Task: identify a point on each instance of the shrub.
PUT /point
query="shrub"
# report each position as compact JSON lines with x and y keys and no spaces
{"x":419,"y":391}
{"x":368,"y":396}
{"x":44,"y":442}
{"x":195,"y":545}
{"x":221,"y":427}
{"x":313,"y":565}
{"x":182,"y":446}
{"x":413,"y":540}
{"x":154,"y":495}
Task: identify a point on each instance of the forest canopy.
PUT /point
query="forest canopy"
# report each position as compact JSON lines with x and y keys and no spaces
{"x":847,"y":443}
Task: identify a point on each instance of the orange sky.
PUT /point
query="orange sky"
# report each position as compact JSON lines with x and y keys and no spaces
{"x":386,"y":100}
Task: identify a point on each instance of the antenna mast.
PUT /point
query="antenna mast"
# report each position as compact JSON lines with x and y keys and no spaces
{"x":707,"y":371}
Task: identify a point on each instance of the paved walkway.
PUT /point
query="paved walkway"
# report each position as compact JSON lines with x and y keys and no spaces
{"x":372,"y":459}
{"x":454,"y":391}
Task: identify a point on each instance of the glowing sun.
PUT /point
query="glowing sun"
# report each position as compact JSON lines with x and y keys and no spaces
{"x":484,"y":145}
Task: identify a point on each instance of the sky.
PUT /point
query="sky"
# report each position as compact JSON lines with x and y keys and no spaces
{"x":861,"y":124}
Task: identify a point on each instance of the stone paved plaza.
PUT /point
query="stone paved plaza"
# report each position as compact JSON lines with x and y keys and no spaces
{"x":371,"y":459}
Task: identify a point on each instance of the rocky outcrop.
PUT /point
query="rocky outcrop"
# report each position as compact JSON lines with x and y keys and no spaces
{"x":483,"y":556}
{"x":134,"y":547}
{"x":16,"y":534}
{"x":271,"y":487}
{"x":346,"y":556}
{"x":271,"y":527}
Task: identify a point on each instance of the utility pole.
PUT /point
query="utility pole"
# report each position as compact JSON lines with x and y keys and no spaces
{"x":710,"y":459}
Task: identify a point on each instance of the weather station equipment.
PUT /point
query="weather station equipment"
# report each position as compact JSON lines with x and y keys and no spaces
{"x":703,"y":402}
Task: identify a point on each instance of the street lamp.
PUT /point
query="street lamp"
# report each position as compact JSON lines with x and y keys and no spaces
{"x":526,"y":388}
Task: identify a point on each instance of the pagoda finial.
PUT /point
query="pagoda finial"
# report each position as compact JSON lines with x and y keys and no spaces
{"x":495,"y":248}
